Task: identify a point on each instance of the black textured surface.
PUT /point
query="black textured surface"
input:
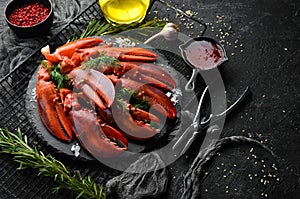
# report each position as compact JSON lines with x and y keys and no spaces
{"x":267,"y":33}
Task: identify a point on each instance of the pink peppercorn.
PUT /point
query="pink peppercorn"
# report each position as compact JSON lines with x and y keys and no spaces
{"x":29,"y":14}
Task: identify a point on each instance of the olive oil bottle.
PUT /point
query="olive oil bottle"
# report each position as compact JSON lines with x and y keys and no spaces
{"x":124,"y":11}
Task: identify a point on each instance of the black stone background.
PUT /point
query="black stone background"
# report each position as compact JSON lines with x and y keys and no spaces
{"x":269,"y":33}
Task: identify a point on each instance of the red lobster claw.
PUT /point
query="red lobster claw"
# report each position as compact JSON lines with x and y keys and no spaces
{"x":122,"y":54}
{"x":95,"y":138}
{"x":131,"y":128}
{"x":158,"y":73}
{"x":69,"y":49}
{"x":95,"y":85}
{"x":148,"y":73}
{"x":85,"y":54}
{"x":150,"y":94}
{"x":130,"y":54}
{"x":51,"y":111}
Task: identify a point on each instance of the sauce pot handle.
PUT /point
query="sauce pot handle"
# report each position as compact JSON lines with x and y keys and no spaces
{"x":190,"y":85}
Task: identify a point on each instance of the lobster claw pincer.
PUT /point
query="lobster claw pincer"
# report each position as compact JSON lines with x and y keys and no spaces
{"x":150,"y":70}
{"x":51,"y":111}
{"x":146,"y":73}
{"x":136,"y":130}
{"x":95,"y":85}
{"x":154,"y":96}
{"x":95,"y":138}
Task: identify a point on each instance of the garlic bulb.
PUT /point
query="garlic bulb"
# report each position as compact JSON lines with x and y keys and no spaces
{"x":169,"y":32}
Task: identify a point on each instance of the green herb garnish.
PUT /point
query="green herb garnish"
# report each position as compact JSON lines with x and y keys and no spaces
{"x":133,"y":98}
{"x":101,"y":62}
{"x":59,"y":79}
{"x":46,"y":66}
{"x":123,"y":93}
{"x":16,"y":145}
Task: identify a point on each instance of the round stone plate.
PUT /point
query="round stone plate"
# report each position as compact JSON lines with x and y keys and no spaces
{"x":65,"y":148}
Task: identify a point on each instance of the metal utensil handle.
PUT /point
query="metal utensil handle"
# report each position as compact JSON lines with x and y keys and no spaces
{"x":190,"y":141}
{"x":185,"y":135}
{"x":190,"y":85}
{"x":214,"y":118}
{"x":236,"y":103}
{"x":195,"y":125}
{"x":197,"y":115}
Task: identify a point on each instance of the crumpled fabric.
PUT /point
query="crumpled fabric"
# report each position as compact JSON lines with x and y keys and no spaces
{"x":142,"y":184}
{"x":14,"y":50}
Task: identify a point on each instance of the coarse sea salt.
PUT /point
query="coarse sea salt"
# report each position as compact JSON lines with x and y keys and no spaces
{"x":124,"y":42}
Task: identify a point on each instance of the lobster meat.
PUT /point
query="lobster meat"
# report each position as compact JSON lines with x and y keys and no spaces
{"x":104,"y":122}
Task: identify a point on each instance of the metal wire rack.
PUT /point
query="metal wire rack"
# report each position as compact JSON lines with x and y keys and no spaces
{"x":25,"y":183}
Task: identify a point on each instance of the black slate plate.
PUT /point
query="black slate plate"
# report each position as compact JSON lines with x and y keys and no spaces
{"x":65,"y":148}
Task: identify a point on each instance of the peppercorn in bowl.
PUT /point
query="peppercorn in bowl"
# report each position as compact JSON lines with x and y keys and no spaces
{"x":29,"y":18}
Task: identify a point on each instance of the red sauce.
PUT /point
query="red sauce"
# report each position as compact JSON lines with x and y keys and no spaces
{"x":29,"y":14}
{"x":204,"y":54}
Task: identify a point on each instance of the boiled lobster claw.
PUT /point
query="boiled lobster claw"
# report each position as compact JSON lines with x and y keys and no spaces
{"x":142,"y":72}
{"x":150,"y":74}
{"x":132,"y":128}
{"x":130,"y":54}
{"x":142,"y":115}
{"x":122,"y":54}
{"x":69,"y":100}
{"x":95,"y":85}
{"x":95,"y":138}
{"x":157,"y":72}
{"x":154,"y":96}
{"x":50,"y":108}
{"x":69,"y":49}
{"x":81,"y":55}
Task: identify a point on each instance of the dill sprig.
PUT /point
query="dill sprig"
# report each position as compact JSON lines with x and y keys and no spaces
{"x":27,"y":156}
{"x":97,"y":28}
{"x":133,"y":98}
{"x":101,"y":62}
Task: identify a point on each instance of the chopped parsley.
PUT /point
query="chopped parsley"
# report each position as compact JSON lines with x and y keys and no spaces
{"x":59,"y":79}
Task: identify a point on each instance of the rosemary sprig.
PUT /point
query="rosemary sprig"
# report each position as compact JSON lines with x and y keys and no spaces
{"x":97,"y":28}
{"x":17,"y":146}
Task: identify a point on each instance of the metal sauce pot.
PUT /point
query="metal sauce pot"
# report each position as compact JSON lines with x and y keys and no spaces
{"x":202,"y":53}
